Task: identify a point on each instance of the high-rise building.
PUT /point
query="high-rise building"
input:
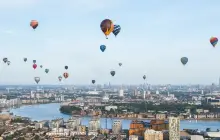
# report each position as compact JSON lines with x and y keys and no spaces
{"x":144,"y":94}
{"x":151,"y":134}
{"x":174,"y":128}
{"x":117,"y":127}
{"x":61,"y":98}
{"x":121,"y":92}
{"x":135,"y":92}
{"x":73,"y":123}
{"x":94,"y":125}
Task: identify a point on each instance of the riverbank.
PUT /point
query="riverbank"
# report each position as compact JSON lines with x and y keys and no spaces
{"x":51,"y":112}
{"x":202,"y":119}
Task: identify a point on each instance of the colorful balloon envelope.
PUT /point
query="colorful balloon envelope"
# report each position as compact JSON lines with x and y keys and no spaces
{"x":66,"y":67}
{"x":120,"y":64}
{"x":93,"y":81}
{"x":144,"y":77}
{"x":107,"y":27}
{"x":34,"y":61}
{"x":34,"y":24}
{"x":34,"y":66}
{"x":65,"y":75}
{"x":214,"y":41}
{"x":41,"y":66}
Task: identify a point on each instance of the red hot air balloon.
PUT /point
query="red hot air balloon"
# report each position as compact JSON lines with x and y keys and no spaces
{"x":34,"y":66}
{"x":65,"y":75}
{"x":34,"y":24}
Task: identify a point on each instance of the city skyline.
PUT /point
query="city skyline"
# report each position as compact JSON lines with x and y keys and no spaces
{"x":154,"y":36}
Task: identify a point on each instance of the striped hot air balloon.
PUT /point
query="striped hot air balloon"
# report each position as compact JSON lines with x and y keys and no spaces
{"x":214,"y":41}
{"x":117,"y":29}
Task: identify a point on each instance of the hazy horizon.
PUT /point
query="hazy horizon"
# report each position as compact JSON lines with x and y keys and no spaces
{"x":154,"y":36}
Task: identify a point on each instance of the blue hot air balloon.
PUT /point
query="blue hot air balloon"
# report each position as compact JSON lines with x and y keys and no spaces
{"x":102,"y":48}
{"x":117,"y":29}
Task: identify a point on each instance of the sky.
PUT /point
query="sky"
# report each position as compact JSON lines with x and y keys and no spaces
{"x":155,"y":34}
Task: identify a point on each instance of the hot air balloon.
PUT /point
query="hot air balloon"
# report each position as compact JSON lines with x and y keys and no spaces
{"x":65,"y":75}
{"x":214,"y":41}
{"x":37,"y":79}
{"x":112,"y":73}
{"x":34,"y":61}
{"x":25,"y":59}
{"x":46,"y":70}
{"x":107,"y":27}
{"x":144,"y":77}
{"x":66,"y":67}
{"x":117,"y":29}
{"x":8,"y":62}
{"x":102,"y":48}
{"x":60,"y":78}
{"x":5,"y":60}
{"x":93,"y":81}
{"x":34,"y":24}
{"x":184,"y":60}
{"x":41,"y":66}
{"x":34,"y":66}
{"x":120,"y":64}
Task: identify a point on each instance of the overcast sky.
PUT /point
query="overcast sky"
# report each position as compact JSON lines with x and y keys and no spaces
{"x":155,"y":35}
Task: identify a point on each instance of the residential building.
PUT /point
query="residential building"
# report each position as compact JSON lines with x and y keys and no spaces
{"x":116,"y":127}
{"x":174,"y":128}
{"x":151,"y":134}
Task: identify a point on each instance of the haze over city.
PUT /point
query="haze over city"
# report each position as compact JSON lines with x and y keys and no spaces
{"x":153,"y":38}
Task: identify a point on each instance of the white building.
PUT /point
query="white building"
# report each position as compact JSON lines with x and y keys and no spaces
{"x":151,"y":134}
{"x":117,"y":127}
{"x":94,"y":125}
{"x":56,"y":123}
{"x":62,"y":98}
{"x":197,"y":137}
{"x":174,"y":128}
{"x":41,"y":124}
{"x":105,"y":98}
{"x":59,"y":132}
{"x":73,"y":123}
{"x":144,"y":94}
{"x":121,"y":92}
{"x":108,"y":108}
{"x":133,"y":137}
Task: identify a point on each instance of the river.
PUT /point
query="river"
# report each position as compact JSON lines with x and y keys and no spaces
{"x":51,"y":111}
